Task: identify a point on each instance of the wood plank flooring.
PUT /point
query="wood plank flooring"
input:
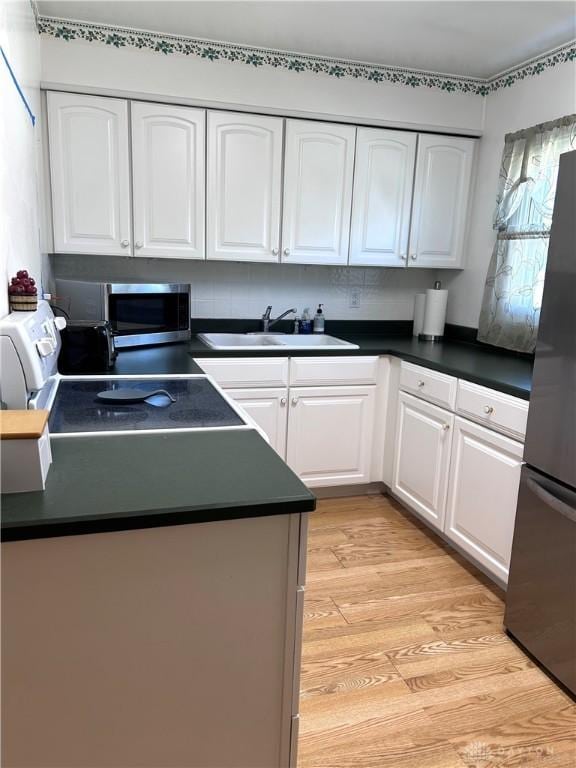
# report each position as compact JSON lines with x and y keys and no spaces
{"x":405,"y":663}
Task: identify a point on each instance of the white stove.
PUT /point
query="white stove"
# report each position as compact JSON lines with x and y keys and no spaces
{"x":29,"y":348}
{"x":84,"y":405}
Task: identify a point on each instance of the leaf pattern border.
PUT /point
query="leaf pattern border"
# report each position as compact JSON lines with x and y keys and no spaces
{"x":121,"y":37}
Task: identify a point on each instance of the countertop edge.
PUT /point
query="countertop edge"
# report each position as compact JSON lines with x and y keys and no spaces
{"x":156,"y":518}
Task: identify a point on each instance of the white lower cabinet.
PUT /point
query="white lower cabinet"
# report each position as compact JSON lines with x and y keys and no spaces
{"x":484,"y":482}
{"x":330,"y":434}
{"x":269,"y":409}
{"x":422,"y":457}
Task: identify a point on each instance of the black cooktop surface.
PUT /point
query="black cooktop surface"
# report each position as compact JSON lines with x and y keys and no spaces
{"x":196,"y":404}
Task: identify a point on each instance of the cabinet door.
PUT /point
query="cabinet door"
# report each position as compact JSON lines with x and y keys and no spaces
{"x":440,"y":207}
{"x":330,"y":434}
{"x":89,"y":169}
{"x":318,"y":169}
{"x":168,"y":181}
{"x":383,"y":179}
{"x":484,"y":482}
{"x":422,"y":457}
{"x":244,"y":187}
{"x":269,"y":409}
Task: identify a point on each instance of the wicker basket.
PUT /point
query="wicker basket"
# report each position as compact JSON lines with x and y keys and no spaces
{"x":23,"y":303}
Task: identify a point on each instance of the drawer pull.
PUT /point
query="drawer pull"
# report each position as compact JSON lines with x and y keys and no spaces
{"x":283,"y":401}
{"x":445,"y":427}
{"x":488,"y":409}
{"x":421,"y":383}
{"x":294,"y":401}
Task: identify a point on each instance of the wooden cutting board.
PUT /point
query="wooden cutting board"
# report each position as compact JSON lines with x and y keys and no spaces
{"x":22,"y":425}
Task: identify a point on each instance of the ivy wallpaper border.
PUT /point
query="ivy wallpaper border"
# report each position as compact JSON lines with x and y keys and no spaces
{"x":125,"y":37}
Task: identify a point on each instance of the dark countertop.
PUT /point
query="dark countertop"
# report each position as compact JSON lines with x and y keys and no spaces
{"x":110,"y":483}
{"x":165,"y":358}
{"x":114,"y":482}
{"x":505,"y":372}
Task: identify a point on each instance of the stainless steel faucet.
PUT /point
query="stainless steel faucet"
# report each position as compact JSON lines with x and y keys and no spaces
{"x":267,"y":323}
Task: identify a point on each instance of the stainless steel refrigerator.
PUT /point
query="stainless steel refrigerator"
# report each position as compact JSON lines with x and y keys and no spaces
{"x":541,"y":596}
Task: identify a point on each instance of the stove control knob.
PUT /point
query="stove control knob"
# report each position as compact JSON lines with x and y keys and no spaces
{"x":60,"y":323}
{"x":45,"y":347}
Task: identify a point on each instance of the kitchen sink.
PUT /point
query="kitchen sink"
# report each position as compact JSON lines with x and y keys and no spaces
{"x":315,"y":341}
{"x":255,"y":341}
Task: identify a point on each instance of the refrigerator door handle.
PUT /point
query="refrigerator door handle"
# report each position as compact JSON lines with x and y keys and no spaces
{"x":553,"y":499}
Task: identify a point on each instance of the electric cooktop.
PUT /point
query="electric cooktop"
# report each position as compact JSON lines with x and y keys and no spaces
{"x":183,"y":403}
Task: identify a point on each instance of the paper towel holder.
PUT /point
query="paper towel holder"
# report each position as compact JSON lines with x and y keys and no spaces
{"x":430,"y":337}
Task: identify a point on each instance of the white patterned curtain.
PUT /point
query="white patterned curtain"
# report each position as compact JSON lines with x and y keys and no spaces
{"x":513,"y":291}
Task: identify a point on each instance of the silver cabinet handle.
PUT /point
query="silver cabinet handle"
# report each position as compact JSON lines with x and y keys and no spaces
{"x":138,"y":244}
{"x":421,"y":383}
{"x":445,"y":427}
{"x":286,"y":251}
{"x":414,"y":256}
{"x":294,"y":400}
{"x":275,"y":251}
{"x":125,"y":243}
{"x":283,"y":401}
{"x":488,"y":409}
{"x":403,"y":256}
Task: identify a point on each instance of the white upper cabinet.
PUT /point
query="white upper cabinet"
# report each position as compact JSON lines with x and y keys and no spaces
{"x":383,"y":181}
{"x":318,"y":170}
{"x":440,"y":206}
{"x":244,"y":187}
{"x":168,"y":180}
{"x":90,"y":174}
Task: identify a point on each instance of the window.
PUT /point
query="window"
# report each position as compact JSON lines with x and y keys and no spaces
{"x":524,"y":205}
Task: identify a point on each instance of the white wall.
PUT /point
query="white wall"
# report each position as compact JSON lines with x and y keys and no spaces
{"x":19,"y":146}
{"x":235,"y":290}
{"x":243,"y":290}
{"x":94,"y":66}
{"x":534,"y":100}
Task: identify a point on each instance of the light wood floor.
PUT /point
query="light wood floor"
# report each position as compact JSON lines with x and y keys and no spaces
{"x":405,"y":662}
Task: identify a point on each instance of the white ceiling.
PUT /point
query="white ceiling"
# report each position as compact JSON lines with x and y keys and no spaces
{"x":478,"y":38}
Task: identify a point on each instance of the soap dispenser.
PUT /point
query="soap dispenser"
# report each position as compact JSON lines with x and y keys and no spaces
{"x":319,"y":320}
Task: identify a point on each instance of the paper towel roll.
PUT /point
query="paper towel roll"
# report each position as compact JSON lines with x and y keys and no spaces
{"x":435,"y":312}
{"x":419,"y":304}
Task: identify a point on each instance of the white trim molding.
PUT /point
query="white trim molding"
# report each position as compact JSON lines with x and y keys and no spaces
{"x":210,"y":50}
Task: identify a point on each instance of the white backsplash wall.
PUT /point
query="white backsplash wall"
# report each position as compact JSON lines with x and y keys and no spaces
{"x":238,"y":290}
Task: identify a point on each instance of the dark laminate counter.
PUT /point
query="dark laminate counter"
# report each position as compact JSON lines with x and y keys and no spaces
{"x":165,"y":358}
{"x":111,"y":483}
{"x":118,"y":482}
{"x":505,"y":372}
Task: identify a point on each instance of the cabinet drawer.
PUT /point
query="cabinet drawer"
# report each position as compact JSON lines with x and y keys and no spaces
{"x":319,"y":371}
{"x":429,"y":385}
{"x":246,"y":371}
{"x":501,"y":412}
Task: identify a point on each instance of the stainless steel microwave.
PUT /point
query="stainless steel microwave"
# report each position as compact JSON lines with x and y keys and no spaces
{"x":138,"y":313}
